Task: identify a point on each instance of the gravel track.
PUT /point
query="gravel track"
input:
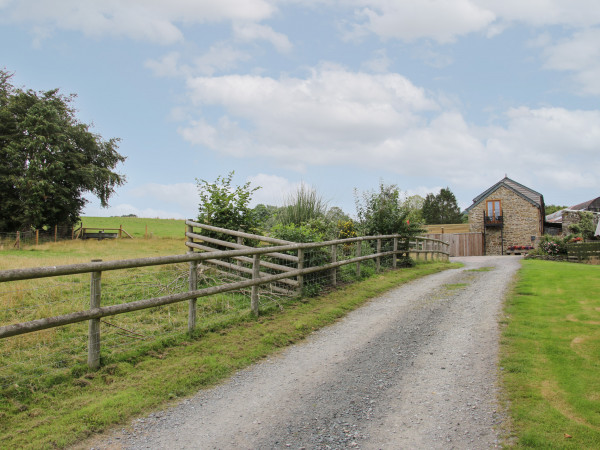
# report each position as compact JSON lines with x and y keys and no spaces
{"x":414,"y":368}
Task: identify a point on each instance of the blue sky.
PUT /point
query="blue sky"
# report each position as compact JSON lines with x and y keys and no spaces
{"x":337,"y":94}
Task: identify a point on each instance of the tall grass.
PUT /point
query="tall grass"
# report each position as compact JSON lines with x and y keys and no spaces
{"x":302,"y":206}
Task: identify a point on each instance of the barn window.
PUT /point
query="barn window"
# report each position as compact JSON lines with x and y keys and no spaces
{"x":494,"y":209}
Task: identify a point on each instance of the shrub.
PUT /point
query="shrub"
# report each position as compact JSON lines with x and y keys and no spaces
{"x":383,"y":212}
{"x":585,"y":228}
{"x":346,"y":229}
{"x":226,"y":207}
{"x":552,"y":245}
{"x":312,"y":257}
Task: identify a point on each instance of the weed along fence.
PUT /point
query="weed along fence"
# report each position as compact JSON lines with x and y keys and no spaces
{"x":50,"y":317}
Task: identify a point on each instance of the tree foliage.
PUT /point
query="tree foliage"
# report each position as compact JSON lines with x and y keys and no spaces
{"x":383,"y":212}
{"x":224,"y":206}
{"x":49,"y":160}
{"x":441,"y":208}
{"x":551,"y":209}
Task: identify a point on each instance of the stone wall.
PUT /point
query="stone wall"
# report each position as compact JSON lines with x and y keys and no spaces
{"x":521,"y":221}
{"x":572,"y":217}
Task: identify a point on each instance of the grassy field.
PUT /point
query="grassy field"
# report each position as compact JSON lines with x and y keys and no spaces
{"x":551,"y":356}
{"x":59,"y":402}
{"x":139,"y":227}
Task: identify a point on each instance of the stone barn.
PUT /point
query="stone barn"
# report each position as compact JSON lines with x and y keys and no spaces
{"x":509,"y":215}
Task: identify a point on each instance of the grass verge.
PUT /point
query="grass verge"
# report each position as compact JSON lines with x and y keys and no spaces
{"x":550,"y":356}
{"x":70,"y":411}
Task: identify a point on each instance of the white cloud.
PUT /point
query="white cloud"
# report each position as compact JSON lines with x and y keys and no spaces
{"x":331,"y":115}
{"x":575,"y":13}
{"x":440,"y":20}
{"x":446,"y":20}
{"x":579,"y":54}
{"x":154,"y":20}
{"x":380,"y":62}
{"x":219,"y":57}
{"x":558,"y":145}
{"x":274,"y":189}
{"x":182,"y":195}
{"x":126,"y":209}
{"x":248,"y":32}
{"x":167,"y":66}
{"x":336,"y":117}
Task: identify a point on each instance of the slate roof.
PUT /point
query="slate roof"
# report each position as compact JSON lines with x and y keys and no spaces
{"x":587,"y":206}
{"x":533,"y":197}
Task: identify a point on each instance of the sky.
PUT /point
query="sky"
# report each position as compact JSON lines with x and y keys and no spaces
{"x":341,"y":95}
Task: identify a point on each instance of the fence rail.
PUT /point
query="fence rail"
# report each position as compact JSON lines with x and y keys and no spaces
{"x":583,"y":251}
{"x":254,"y":266}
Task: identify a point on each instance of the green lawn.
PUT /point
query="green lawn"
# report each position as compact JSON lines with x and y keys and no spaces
{"x":551,"y":356}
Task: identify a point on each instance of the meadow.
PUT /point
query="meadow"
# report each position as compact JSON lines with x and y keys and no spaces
{"x":550,"y":360}
{"x":139,"y":227}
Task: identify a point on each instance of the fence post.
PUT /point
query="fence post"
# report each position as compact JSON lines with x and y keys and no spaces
{"x":240,"y":241}
{"x":94,"y":324}
{"x":300,"y":278}
{"x":18,"y":241}
{"x":255,"y":276}
{"x":358,"y":254}
{"x":193,"y":285}
{"x":334,"y":260}
{"x":378,"y":259}
{"x":37,"y":237}
{"x":120,"y":231}
{"x":394,"y":256}
{"x":55,"y":234}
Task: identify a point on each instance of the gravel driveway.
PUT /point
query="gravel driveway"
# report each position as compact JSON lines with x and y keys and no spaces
{"x":414,"y":368}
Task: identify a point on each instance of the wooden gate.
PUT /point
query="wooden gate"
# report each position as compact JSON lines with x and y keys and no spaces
{"x":462,"y":244}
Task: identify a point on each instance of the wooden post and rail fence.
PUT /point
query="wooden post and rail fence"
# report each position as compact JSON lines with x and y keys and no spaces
{"x":254,"y":257}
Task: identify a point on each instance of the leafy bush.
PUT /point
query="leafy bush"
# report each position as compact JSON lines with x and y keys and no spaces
{"x":585,"y":228}
{"x":223,"y":206}
{"x":383,"y":212}
{"x":312,"y":257}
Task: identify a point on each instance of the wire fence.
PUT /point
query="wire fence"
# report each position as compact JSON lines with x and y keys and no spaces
{"x":37,"y":360}
{"x":21,"y":239}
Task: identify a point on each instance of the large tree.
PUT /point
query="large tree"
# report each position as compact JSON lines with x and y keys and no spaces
{"x":49,"y":160}
{"x":441,"y":208}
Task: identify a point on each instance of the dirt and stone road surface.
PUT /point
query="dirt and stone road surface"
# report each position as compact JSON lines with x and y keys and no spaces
{"x":414,"y":368}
